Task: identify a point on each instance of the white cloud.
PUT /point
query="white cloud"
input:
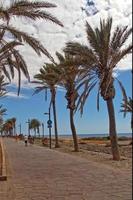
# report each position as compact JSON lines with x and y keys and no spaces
{"x":73,"y":14}
{"x":14,"y":95}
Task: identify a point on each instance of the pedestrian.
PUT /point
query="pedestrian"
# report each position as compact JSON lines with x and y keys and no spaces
{"x":30,"y":139}
{"x":16,"y":138}
{"x":26,"y":140}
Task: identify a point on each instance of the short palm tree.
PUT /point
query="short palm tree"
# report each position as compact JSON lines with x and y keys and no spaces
{"x":48,"y":78}
{"x":35,"y":124}
{"x":127,"y":107}
{"x":5,"y":129}
{"x":8,"y":127}
{"x":106,"y":48}
{"x":13,"y":59}
{"x":11,"y":123}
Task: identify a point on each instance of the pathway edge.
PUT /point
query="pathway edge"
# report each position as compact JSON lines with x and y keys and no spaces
{"x":3,"y":177}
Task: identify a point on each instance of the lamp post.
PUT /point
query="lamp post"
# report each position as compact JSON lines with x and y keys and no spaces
{"x":28,"y":122}
{"x":49,"y":122}
{"x":43,"y":130}
{"x":19,"y":129}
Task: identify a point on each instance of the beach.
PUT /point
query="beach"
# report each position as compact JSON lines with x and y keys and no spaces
{"x":37,"y":172}
{"x":97,"y":149}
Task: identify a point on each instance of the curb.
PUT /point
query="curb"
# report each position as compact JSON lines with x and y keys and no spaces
{"x":3,"y":177}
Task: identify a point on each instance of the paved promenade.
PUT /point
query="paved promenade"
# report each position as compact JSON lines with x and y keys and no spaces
{"x":37,"y":173}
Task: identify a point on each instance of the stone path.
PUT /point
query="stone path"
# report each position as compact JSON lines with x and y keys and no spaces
{"x":41,"y":174}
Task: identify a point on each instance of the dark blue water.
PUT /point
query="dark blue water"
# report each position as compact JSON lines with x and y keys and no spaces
{"x":98,"y":135}
{"x":128,"y":135}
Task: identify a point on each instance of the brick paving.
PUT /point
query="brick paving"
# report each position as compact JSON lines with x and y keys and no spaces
{"x":41,"y":174}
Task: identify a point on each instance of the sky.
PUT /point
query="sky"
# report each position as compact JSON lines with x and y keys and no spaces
{"x":28,"y":106}
{"x":73,"y":14}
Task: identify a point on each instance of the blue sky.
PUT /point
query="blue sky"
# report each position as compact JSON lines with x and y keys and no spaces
{"x":92,"y":122}
{"x":74,"y":17}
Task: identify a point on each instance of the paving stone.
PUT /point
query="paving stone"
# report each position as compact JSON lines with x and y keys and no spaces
{"x":42,"y":174}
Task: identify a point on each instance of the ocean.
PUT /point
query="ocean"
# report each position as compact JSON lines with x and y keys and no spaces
{"x":89,"y":135}
{"x":94,"y":135}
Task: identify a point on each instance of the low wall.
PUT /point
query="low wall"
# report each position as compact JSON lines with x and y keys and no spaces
{"x":0,"y":160}
{"x":3,"y":175}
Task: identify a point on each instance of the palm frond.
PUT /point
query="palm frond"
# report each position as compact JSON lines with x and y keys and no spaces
{"x":5,"y":50}
{"x":3,"y":85}
{"x":30,"y":5}
{"x":120,"y":36}
{"x":39,"y":89}
{"x":60,"y":57}
{"x":88,"y":88}
{"x":31,"y":41}
{"x":85,"y":55}
{"x":127,"y":106}
{"x":2,"y":111}
{"x":29,"y":10}
{"x":125,"y":99}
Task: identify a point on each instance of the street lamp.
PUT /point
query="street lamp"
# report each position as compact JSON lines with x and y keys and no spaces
{"x":43,"y":130}
{"x":49,"y":122}
{"x":28,"y":122}
{"x":19,"y":129}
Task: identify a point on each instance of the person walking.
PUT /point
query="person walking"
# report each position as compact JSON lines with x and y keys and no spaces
{"x":30,"y":139}
{"x":16,"y":138}
{"x":26,"y":140}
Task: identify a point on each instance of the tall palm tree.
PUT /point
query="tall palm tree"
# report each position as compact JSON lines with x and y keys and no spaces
{"x":13,"y":59}
{"x":48,"y":78}
{"x":127,"y":107}
{"x":35,"y":124}
{"x":106,"y":48}
{"x":72,"y":79}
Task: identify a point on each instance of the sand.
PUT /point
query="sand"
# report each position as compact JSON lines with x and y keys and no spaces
{"x":97,"y":150}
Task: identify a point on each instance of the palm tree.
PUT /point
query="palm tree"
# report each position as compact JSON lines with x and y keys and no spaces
{"x":127,"y":107}
{"x":48,"y":78}
{"x":105,"y":50}
{"x":72,"y":79}
{"x":13,"y":59}
{"x":35,"y":124}
{"x":5,"y":128}
{"x":8,"y":127}
{"x":2,"y":111}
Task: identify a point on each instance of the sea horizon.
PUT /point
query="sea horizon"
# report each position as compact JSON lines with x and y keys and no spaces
{"x":89,"y":135}
{"x":96,"y":135}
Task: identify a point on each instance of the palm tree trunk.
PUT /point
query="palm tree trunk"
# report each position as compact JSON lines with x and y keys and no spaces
{"x":14,"y":129}
{"x":73,"y":129}
{"x":55,"y":124}
{"x":132,"y":122}
{"x":112,"y":130}
{"x":131,"y":143}
{"x":35,"y":132}
{"x":38,"y":131}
